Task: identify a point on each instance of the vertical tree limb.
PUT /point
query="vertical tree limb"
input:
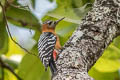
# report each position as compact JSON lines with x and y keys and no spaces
{"x":97,"y":30}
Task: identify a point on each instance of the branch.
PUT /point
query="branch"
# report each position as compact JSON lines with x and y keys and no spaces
{"x":5,"y":19}
{"x":97,"y":30}
{"x":5,"y":65}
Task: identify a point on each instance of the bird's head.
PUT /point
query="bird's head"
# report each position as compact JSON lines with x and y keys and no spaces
{"x":51,"y":24}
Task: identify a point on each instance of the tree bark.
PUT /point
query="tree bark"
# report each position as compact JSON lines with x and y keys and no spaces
{"x":97,"y":30}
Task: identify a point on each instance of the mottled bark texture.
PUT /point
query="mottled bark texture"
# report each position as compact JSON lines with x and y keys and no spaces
{"x":97,"y":30}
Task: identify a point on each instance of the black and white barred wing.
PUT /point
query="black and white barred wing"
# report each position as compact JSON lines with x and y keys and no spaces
{"x":46,"y":46}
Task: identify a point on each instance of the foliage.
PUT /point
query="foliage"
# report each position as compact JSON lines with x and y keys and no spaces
{"x":23,"y":18}
{"x":30,"y":68}
{"x":3,"y":38}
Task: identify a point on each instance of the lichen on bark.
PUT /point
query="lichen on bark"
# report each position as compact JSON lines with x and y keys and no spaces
{"x":97,"y":30}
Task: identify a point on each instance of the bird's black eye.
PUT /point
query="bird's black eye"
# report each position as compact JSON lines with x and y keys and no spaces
{"x":49,"y":22}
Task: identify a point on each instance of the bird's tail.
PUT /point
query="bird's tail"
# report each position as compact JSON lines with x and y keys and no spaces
{"x":53,"y":67}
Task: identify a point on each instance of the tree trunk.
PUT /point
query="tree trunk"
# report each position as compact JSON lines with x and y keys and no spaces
{"x":97,"y":30}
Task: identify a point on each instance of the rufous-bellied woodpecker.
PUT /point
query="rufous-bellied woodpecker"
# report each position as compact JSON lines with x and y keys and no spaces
{"x":48,"y":42}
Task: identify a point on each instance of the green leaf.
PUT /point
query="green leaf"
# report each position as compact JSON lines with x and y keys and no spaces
{"x":109,"y":61}
{"x":21,"y":17}
{"x":70,"y":10}
{"x":68,"y":13}
{"x":116,"y":42}
{"x":80,"y":3}
{"x":97,"y":75}
{"x":3,"y":38}
{"x":36,"y":37}
{"x":8,"y":75}
{"x":32,"y":69}
{"x":14,"y":49}
{"x":107,"y":65}
{"x":112,"y":52}
{"x":35,"y":49}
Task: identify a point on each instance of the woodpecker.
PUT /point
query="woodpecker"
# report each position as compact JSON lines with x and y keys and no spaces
{"x":48,"y":42}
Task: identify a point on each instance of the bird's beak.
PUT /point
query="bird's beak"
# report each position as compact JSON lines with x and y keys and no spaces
{"x":56,"y":22}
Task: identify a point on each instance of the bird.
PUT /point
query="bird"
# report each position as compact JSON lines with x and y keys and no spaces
{"x":47,"y":45}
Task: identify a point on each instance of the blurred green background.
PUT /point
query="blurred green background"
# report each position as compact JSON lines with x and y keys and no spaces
{"x":25,"y":27}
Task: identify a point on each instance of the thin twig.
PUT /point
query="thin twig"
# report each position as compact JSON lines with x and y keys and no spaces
{"x":5,"y":19}
{"x":18,"y":6}
{"x":5,"y":65}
